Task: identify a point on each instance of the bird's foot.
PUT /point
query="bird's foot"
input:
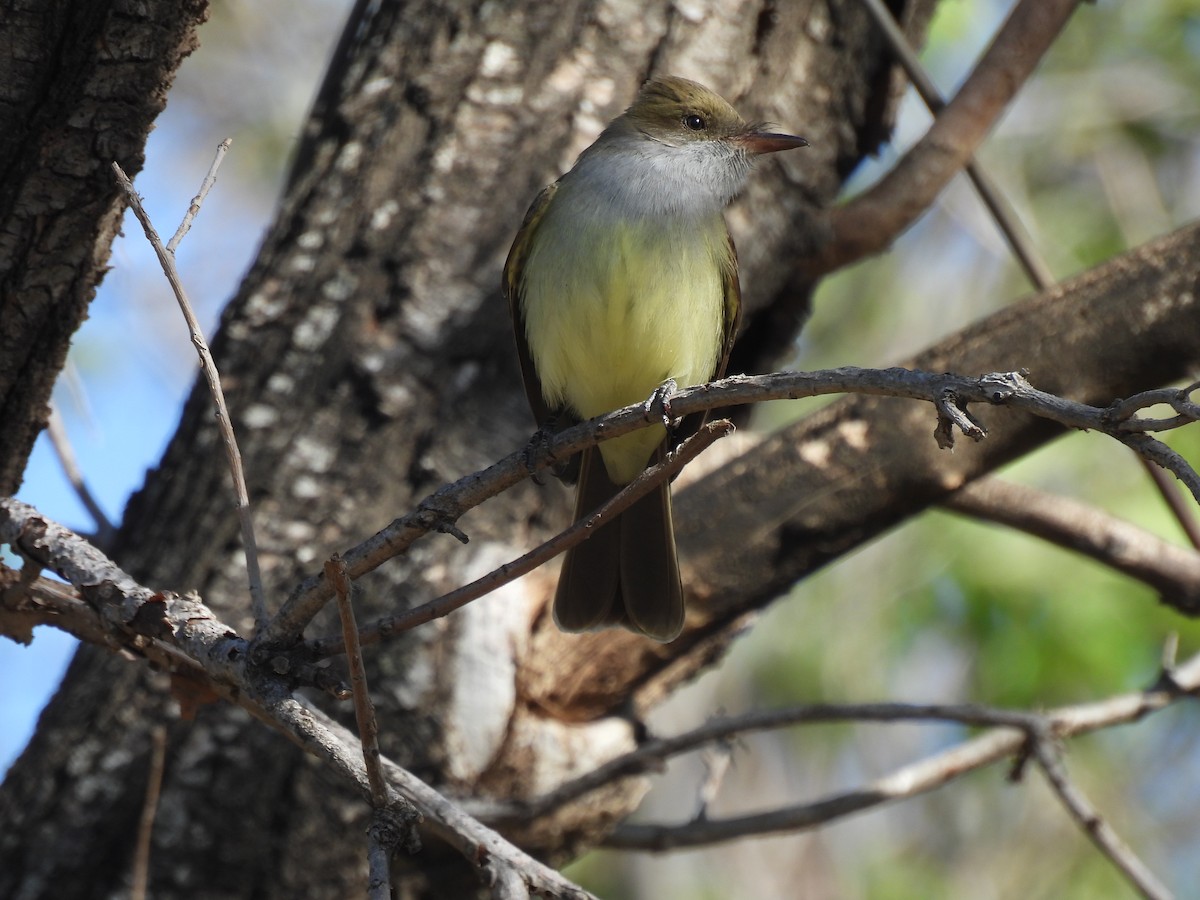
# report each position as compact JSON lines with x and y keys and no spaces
{"x":658,"y":404}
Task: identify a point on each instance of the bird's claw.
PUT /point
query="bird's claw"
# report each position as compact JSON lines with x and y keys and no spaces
{"x":660,"y":401}
{"x":537,"y":445}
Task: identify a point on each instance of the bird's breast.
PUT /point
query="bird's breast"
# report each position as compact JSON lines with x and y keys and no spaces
{"x":614,"y":307}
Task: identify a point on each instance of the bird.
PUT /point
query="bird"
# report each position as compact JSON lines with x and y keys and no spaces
{"x":622,"y":279}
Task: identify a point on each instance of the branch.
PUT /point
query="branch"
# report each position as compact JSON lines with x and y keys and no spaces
{"x":1023,"y":248}
{"x":1171,"y":570}
{"x":947,"y":392}
{"x":66,"y":458}
{"x":651,"y":755}
{"x":1100,"y":832}
{"x":916,"y":778}
{"x":1184,"y":514}
{"x":870,"y":222}
{"x":193,"y":209}
{"x":1019,"y":241}
{"x":154,"y":777}
{"x":190,"y":630}
{"x":364,"y":710}
{"x":392,"y":626}
{"x":182,"y":632}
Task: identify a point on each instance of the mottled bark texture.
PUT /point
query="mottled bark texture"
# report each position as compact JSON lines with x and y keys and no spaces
{"x":368,"y":359}
{"x":80,"y":86}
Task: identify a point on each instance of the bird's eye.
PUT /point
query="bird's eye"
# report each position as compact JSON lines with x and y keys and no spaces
{"x":694,"y":122}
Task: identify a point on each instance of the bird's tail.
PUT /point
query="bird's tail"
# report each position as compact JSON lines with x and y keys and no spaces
{"x":627,"y":572}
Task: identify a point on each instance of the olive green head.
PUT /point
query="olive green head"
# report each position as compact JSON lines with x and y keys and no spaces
{"x":677,"y":111}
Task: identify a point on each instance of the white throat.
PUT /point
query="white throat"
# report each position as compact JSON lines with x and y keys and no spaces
{"x":638,"y":176}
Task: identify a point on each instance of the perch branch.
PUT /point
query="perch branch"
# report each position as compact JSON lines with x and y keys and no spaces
{"x":450,"y":502}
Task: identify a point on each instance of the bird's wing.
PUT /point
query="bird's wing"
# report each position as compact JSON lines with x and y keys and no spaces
{"x":514,"y":285}
{"x":733,"y":308}
{"x":732,"y":290}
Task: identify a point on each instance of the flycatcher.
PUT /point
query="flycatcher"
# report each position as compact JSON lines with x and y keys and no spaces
{"x":622,"y":277}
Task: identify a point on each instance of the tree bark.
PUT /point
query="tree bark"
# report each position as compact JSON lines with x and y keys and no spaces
{"x":80,"y":86}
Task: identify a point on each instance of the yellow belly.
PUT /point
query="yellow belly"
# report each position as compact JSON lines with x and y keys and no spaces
{"x":612,"y":310}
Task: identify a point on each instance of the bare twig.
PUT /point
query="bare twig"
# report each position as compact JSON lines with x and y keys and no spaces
{"x":379,"y":868}
{"x":1172,"y":570}
{"x":364,"y":710}
{"x":1185,"y":515}
{"x":194,"y":207}
{"x":181,"y":631}
{"x":1094,"y":826}
{"x":66,"y":458}
{"x":908,"y":781}
{"x":154,"y":779}
{"x":167,"y":260}
{"x":381,"y":629}
{"x":651,"y":754}
{"x":1003,"y":214}
{"x":1179,"y":399}
{"x":951,"y":414}
{"x":1160,"y":454}
{"x":389,"y":829}
{"x":870,"y":222}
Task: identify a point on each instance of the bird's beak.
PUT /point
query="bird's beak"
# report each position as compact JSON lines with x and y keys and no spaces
{"x":760,"y":142}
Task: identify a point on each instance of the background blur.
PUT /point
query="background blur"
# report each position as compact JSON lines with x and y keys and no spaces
{"x":1100,"y":153}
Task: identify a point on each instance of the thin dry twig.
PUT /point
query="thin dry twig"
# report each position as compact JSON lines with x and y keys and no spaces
{"x":167,"y":260}
{"x":105,"y":532}
{"x":154,"y":779}
{"x":927,"y":774}
{"x":389,"y":829}
{"x":391,"y":626}
{"x":194,"y":207}
{"x":364,"y":709}
{"x":1107,"y":841}
{"x":1184,"y":514}
{"x":651,"y":754}
{"x":1005,"y":217}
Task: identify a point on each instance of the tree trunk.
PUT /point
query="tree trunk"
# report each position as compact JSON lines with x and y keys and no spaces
{"x":80,"y":86}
